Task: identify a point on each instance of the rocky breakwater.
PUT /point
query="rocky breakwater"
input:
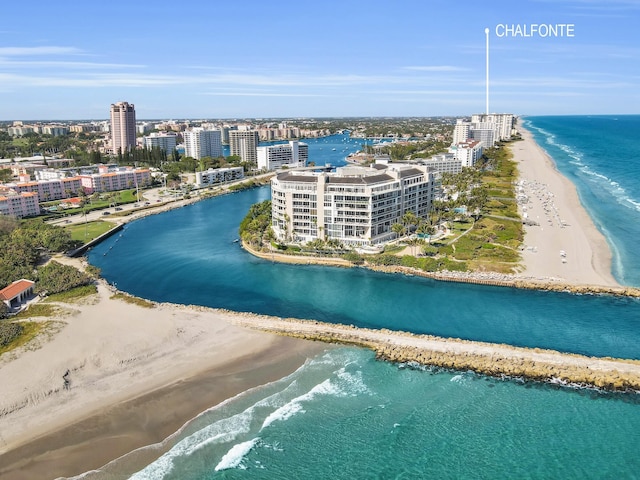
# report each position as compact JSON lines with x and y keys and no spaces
{"x":550,"y":284}
{"x":485,"y":358}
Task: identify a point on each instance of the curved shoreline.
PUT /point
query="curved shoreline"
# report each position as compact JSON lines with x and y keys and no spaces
{"x":480,"y":278}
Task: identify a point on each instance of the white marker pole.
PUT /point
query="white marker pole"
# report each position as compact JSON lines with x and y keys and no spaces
{"x":486,"y":32}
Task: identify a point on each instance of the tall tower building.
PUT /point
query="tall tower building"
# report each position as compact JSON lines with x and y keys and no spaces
{"x":123,"y":126}
{"x":245,"y":144}
{"x":199,"y":143}
{"x":461,"y":132}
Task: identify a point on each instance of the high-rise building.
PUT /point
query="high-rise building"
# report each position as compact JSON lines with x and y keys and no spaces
{"x":163,"y":140}
{"x":292,"y":154}
{"x":245,"y":144}
{"x":123,"y":127}
{"x":461,"y":132}
{"x":199,"y":143}
{"x":355,"y":205}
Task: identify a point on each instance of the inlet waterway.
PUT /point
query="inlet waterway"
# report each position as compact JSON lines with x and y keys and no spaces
{"x":189,"y":256}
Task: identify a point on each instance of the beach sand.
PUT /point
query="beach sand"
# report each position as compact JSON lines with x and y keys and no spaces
{"x":563,"y":224}
{"x":136,"y":376}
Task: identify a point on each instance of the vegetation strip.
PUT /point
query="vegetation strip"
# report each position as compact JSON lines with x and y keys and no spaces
{"x":498,"y":280}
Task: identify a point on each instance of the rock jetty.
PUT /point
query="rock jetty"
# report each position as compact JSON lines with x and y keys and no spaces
{"x":485,"y":358}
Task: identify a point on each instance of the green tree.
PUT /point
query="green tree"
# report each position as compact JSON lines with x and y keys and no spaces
{"x":399,"y":229}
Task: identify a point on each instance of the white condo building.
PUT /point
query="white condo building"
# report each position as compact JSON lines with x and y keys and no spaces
{"x":461,"y":131}
{"x":164,"y":141}
{"x":244,"y":143}
{"x":501,"y":123}
{"x":443,"y":163}
{"x":200,"y":143}
{"x":218,"y":175}
{"x":355,"y":205}
{"x":292,"y":154}
{"x":469,"y":153}
{"x":123,"y":127}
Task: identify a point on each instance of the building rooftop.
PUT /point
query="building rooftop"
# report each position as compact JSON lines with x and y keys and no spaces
{"x":16,"y":288}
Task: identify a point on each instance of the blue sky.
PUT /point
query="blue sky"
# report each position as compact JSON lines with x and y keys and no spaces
{"x":71,"y":59}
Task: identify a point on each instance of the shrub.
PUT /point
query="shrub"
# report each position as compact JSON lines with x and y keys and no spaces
{"x":9,"y":331}
{"x":55,"y":278}
{"x":354,"y":258}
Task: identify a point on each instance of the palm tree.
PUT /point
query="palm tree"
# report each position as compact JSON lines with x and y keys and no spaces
{"x":409,"y":219}
{"x":399,"y":229}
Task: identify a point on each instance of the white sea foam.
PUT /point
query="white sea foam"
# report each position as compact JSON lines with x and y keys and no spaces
{"x":224,"y":430}
{"x":457,"y":379}
{"x":283,"y":413}
{"x":352,"y":384}
{"x":233,"y":458}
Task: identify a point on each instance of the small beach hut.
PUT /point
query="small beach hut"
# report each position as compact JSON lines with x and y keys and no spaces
{"x":17,"y":293}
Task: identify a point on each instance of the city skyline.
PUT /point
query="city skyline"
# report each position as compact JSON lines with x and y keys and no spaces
{"x":288,"y":59}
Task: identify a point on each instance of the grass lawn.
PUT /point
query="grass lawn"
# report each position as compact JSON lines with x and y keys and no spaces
{"x":85,"y":232}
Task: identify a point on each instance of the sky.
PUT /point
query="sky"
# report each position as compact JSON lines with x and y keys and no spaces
{"x":197,"y":59}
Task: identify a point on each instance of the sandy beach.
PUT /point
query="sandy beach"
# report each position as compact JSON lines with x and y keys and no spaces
{"x":565,"y":244}
{"x":136,"y":376}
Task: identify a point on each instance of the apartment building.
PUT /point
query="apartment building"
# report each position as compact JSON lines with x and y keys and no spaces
{"x":164,"y":141}
{"x":218,"y":175}
{"x":355,"y":205}
{"x":200,"y":143}
{"x":48,"y":190}
{"x":123,"y":126}
{"x":292,"y":154}
{"x":120,"y":179}
{"x":244,"y":143}
{"x":18,"y":205}
{"x":469,"y":153}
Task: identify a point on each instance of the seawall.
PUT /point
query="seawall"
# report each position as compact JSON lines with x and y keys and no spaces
{"x":479,"y":278}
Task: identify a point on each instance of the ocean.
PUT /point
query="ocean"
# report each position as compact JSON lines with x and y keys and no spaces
{"x":601,"y":157}
{"x":344,"y":414}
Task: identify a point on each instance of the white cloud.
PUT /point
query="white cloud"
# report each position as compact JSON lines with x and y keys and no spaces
{"x":436,"y":68}
{"x":29,"y":51}
{"x":54,"y":63}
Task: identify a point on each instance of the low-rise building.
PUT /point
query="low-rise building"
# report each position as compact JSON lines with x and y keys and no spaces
{"x":218,"y":175}
{"x":355,"y":205}
{"x":48,"y":190}
{"x":120,"y":179}
{"x":17,"y":293}
{"x":20,"y":205}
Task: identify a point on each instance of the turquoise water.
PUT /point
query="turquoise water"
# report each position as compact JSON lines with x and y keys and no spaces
{"x":601,"y":156}
{"x":188,"y":256}
{"x":345,"y":415}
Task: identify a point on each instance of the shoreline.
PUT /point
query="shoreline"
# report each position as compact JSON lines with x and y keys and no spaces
{"x":479,"y":278}
{"x":545,"y":262}
{"x":565,"y":243}
{"x":129,"y":388}
{"x":606,"y":373}
{"x":198,"y":357}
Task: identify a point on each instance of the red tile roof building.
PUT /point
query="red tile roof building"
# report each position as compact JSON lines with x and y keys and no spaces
{"x":16,"y":293}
